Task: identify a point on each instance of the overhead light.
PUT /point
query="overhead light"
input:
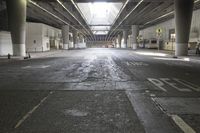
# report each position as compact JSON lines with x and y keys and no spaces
{"x":138,"y":4}
{"x":72,"y":15}
{"x":118,"y":15}
{"x":34,"y":3}
{"x":165,"y":15}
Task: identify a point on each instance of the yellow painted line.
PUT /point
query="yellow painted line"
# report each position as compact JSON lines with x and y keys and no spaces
{"x":182,"y":124}
{"x":31,"y":111}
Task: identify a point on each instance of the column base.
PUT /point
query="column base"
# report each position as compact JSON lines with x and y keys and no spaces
{"x":134,"y":46}
{"x":181,"y":49}
{"x":19,"y":50}
{"x":75,"y":45}
{"x":65,"y":46}
{"x":124,"y":45}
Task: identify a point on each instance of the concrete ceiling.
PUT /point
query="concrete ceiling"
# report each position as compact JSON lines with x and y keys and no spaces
{"x":146,"y":13}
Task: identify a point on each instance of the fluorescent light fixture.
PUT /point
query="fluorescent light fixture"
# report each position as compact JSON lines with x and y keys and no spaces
{"x":165,"y":15}
{"x":138,"y":4}
{"x":72,"y":15}
{"x":35,"y":4}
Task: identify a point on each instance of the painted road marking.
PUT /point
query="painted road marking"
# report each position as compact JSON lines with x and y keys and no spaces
{"x":157,"y":83}
{"x":178,"y":84}
{"x":39,"y":66}
{"x":182,"y":124}
{"x":136,"y":63}
{"x":127,"y":63}
{"x":188,"y":84}
{"x":31,"y":111}
{"x":26,"y":67}
{"x":172,"y":84}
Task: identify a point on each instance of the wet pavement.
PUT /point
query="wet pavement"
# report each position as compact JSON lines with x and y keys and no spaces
{"x":100,"y":91}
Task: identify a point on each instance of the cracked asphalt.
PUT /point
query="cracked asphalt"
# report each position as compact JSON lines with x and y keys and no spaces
{"x":100,"y":91}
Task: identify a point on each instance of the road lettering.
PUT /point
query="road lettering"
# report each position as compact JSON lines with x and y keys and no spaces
{"x":157,"y":83}
{"x":174,"y":85}
{"x":180,"y":85}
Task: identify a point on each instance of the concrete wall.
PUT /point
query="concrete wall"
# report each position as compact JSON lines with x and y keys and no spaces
{"x":34,"y":40}
{"x":98,"y":44}
{"x":5,"y":43}
{"x":41,"y":37}
{"x":150,"y":32}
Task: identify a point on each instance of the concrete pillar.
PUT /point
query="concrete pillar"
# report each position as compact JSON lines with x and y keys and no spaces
{"x":81,"y":39}
{"x":183,"y":18}
{"x":119,"y":38}
{"x":75,"y":37}
{"x":135,"y":33}
{"x":125,"y":36}
{"x":65,"y":36}
{"x":115,"y":42}
{"x":17,"y":24}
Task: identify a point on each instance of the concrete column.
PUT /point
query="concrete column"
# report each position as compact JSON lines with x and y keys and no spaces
{"x":119,"y":38}
{"x":183,"y":18}
{"x":115,"y":42}
{"x":81,"y":39}
{"x":65,"y":36}
{"x":125,"y":36}
{"x":17,"y":24}
{"x":75,"y":38}
{"x":135,"y":33}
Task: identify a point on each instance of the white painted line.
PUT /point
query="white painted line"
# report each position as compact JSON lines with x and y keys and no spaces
{"x":188,"y":84}
{"x":170,"y":83}
{"x":26,"y":67}
{"x":31,"y":112}
{"x":127,"y":63}
{"x":157,"y":83}
{"x":36,"y":67}
{"x":133,"y":63}
{"x":45,"y":66}
{"x":182,"y":124}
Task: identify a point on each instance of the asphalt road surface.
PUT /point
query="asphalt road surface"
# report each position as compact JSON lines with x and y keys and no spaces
{"x":100,"y":91}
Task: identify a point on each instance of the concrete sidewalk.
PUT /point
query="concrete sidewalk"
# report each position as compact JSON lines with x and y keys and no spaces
{"x":45,"y":54}
{"x":4,"y":59}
